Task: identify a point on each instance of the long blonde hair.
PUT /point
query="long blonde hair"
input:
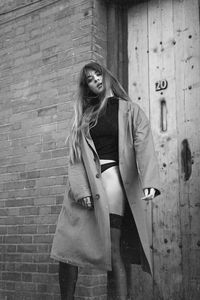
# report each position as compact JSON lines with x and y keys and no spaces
{"x":88,"y":105}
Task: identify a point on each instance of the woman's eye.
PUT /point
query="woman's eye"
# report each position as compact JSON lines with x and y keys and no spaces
{"x":89,"y":79}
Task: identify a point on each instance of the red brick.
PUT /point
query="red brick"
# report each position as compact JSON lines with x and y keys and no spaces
{"x":11,"y":248}
{"x":18,"y":239}
{"x":26,"y":248}
{"x":60,"y":152}
{"x":40,"y":278}
{"x":2,"y":203}
{"x":53,"y":268}
{"x":42,"y":268}
{"x":42,"y":239}
{"x":20,"y":202}
{"x":28,"y":211}
{"x":26,"y":257}
{"x":11,"y":267}
{"x":59,"y":199}
{"x":93,"y":280}
{"x":16,"y":168}
{"x":13,"y":211}
{"x":55,"y":209}
{"x":10,"y":286}
{"x":3,"y":230}
{"x":43,"y":229}
{"x":30,"y":175}
{"x":12,"y":229}
{"x":7,"y":295}
{"x":31,"y":229}
{"x":57,"y":180}
{"x":14,"y":276}
{"x":52,"y":228}
{"x":3,"y":212}
{"x":28,"y":268}
{"x":55,"y":171}
{"x":91,"y":291}
{"x":51,"y":190}
{"x":13,"y":185}
{"x":12,"y":257}
{"x":29,"y":184}
{"x":42,"y":248}
{"x":44,"y":50}
{"x":13,"y":220}
{"x":26,"y":286}
{"x":42,"y":288}
{"x":41,"y":258}
{"x":45,"y":155}
{"x":29,"y":220}
{"x":27,"y":277}
{"x":45,"y":200}
{"x":53,"y":288}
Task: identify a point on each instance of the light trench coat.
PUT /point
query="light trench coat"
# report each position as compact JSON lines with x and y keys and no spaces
{"x":82,"y":236}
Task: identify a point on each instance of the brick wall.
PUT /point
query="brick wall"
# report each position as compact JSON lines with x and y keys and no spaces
{"x":43,"y":45}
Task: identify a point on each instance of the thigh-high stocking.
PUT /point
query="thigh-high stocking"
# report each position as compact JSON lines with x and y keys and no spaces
{"x":117,"y":277}
{"x":67,"y":279}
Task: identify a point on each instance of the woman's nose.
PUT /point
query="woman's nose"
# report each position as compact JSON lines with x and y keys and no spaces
{"x":96,"y":78}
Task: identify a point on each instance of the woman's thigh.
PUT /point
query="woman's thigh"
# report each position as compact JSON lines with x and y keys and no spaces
{"x":114,"y":189}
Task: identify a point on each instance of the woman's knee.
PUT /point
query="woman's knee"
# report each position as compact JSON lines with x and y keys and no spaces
{"x":115,"y":243}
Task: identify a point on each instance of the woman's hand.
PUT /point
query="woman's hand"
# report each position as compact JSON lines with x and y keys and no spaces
{"x":86,"y":202}
{"x":149,"y":194}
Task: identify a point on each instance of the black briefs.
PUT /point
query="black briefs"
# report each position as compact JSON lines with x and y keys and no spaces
{"x":116,"y":221}
{"x":106,"y":166}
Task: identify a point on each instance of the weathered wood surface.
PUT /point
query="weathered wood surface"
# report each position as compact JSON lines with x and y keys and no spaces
{"x":138,"y":78}
{"x":163,"y":43}
{"x":117,"y":42}
{"x":166,"y":223}
{"x":187,"y":62}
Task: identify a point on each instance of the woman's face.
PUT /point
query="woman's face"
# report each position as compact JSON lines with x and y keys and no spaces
{"x":95,"y":81}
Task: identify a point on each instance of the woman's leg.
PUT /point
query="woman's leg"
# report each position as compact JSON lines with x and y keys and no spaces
{"x":116,"y":200}
{"x":117,"y":277}
{"x":67,"y":279}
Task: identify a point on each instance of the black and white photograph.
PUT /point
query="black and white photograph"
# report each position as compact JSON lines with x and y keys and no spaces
{"x":99,"y":149}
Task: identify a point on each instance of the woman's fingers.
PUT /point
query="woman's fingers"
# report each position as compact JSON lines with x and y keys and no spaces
{"x":152,"y":192}
{"x":149,"y":194}
{"x":86,"y":202}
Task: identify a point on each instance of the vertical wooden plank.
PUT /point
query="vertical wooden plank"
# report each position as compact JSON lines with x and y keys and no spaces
{"x":187,"y":68}
{"x":138,"y":77}
{"x":173,"y":30}
{"x":166,"y":226}
{"x":117,"y":60}
{"x":117,"y":42}
{"x":138,"y":83}
{"x":112,"y":39}
{"x":123,"y":44}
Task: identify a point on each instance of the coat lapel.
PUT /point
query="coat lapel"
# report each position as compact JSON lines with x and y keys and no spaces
{"x":88,"y":148}
{"x":122,"y":125}
{"x":91,"y":143}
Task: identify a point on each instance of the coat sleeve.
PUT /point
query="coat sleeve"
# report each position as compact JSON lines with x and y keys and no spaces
{"x":144,"y":149}
{"x":78,"y":181}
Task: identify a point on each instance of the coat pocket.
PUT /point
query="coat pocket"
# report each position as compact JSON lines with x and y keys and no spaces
{"x":86,"y":201}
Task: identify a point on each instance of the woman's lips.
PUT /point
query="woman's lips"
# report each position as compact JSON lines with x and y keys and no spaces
{"x":99,"y":85}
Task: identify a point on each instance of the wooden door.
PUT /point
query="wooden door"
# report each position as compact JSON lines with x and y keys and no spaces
{"x":164,"y":78}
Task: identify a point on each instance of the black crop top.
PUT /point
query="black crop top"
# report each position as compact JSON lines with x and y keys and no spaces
{"x":105,"y":132}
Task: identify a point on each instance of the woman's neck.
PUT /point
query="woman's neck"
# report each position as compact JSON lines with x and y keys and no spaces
{"x":109,"y":93}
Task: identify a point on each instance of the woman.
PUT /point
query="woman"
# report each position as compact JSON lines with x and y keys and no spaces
{"x":112,"y":167}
